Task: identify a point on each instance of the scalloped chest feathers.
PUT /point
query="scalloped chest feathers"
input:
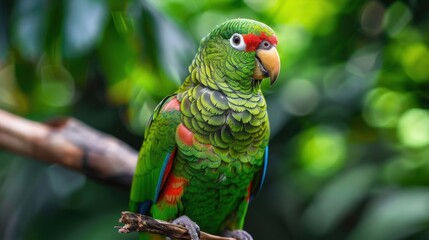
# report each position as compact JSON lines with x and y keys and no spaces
{"x":235,"y":125}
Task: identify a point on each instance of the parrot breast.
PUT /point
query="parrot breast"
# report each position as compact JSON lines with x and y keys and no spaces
{"x":221,"y":143}
{"x":229,"y":124}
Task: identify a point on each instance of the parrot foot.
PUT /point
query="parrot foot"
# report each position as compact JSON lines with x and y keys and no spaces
{"x":193,"y":228}
{"x":238,"y":234}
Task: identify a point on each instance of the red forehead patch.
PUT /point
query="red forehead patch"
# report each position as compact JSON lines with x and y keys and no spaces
{"x":252,"y":41}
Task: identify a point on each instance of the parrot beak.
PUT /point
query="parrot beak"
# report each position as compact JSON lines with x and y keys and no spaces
{"x":267,"y":64}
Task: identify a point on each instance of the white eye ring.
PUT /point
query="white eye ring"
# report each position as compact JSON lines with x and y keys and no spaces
{"x":237,"y":42}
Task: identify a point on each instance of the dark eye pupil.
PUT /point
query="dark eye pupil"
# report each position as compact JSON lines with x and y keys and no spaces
{"x":236,"y":40}
{"x":265,"y":44}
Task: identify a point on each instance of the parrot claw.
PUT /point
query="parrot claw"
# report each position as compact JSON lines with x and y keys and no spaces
{"x":193,"y":228}
{"x":238,"y":234}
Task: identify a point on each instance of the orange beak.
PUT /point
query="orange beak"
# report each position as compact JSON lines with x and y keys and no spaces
{"x":267,"y":64}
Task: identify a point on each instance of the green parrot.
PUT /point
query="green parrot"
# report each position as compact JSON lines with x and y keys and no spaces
{"x":205,"y":151}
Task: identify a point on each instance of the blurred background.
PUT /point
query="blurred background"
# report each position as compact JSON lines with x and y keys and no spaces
{"x":349,"y":151}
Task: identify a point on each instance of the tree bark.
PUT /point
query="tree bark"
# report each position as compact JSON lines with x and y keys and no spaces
{"x":70,"y":143}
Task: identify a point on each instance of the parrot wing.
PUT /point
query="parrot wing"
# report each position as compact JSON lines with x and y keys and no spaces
{"x":156,"y":155}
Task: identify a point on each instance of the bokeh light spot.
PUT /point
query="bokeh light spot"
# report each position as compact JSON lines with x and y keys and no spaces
{"x":322,"y":150}
{"x":415,"y":60}
{"x":372,"y":18}
{"x":57,"y":86}
{"x":300,"y":97}
{"x":382,"y":107}
{"x":413,"y":128}
{"x":396,"y":18}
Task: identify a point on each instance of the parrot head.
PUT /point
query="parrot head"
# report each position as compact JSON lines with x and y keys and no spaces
{"x":244,"y":50}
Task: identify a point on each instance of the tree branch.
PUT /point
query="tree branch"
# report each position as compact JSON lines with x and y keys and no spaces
{"x":70,"y":143}
{"x":135,"y":222}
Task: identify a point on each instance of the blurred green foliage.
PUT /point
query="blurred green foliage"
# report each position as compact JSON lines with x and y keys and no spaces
{"x":349,"y":153}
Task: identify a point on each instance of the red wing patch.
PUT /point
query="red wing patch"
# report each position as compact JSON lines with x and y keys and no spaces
{"x":172,"y":105}
{"x":252,"y":41}
{"x":174,"y":188}
{"x":185,"y":136}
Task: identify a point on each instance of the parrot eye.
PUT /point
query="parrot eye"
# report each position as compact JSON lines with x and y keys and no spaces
{"x":237,"y":42}
{"x":265,"y":45}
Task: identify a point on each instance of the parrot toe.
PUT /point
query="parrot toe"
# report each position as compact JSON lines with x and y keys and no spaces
{"x":193,"y":228}
{"x":238,"y":234}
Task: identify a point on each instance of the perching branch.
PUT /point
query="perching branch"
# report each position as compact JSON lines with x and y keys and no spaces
{"x":135,"y":222}
{"x":70,"y":143}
